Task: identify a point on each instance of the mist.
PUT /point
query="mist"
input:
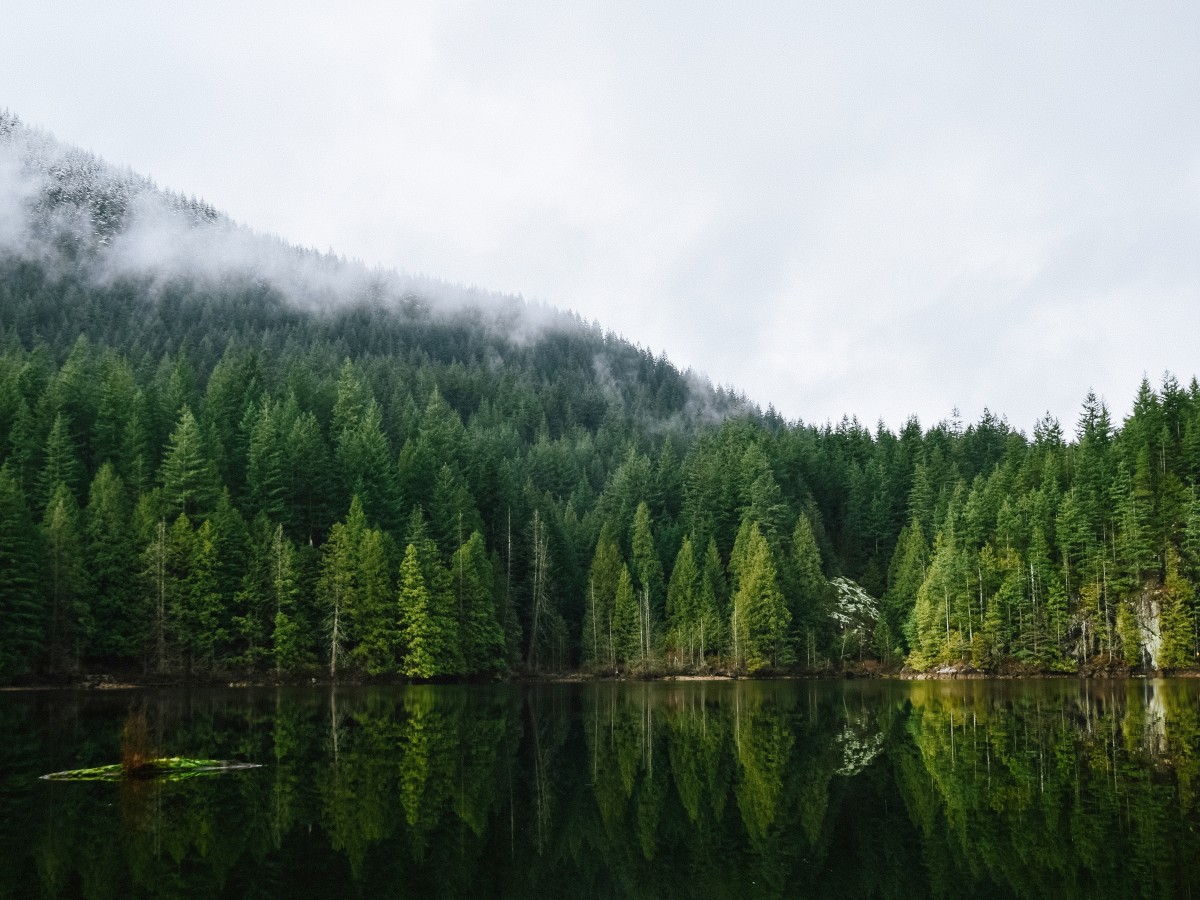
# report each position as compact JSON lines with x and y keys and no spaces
{"x":80,"y":217}
{"x":72,"y":212}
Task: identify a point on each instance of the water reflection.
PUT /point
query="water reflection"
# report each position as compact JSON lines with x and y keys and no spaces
{"x":1045,"y":789}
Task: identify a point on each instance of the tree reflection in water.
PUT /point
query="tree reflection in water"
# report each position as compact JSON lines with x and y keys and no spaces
{"x":711,"y":789}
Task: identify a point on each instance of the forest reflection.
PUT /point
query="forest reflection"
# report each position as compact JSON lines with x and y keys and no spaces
{"x":759,"y":789}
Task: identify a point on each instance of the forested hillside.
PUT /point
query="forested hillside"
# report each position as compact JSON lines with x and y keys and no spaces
{"x":219,"y":454}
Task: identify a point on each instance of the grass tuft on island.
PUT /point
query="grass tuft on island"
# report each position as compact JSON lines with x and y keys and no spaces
{"x":172,"y":768}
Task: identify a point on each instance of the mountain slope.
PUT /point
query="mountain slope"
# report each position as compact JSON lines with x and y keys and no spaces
{"x":220,"y":454}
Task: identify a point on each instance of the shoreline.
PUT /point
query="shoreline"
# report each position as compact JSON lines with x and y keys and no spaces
{"x":104,"y":683}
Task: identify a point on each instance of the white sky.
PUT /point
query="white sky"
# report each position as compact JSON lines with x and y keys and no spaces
{"x":865,"y":208}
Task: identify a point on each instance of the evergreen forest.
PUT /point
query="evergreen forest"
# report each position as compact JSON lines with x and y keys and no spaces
{"x":207,"y":471}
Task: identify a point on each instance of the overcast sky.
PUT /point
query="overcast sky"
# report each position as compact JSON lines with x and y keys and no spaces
{"x":863,"y":208}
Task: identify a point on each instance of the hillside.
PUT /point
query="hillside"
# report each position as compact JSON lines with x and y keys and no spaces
{"x":221,"y":454}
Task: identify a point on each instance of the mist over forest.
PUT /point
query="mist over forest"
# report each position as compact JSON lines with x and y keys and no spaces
{"x":220,"y":455}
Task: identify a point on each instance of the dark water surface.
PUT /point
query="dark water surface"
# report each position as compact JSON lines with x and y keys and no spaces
{"x":784,"y":789}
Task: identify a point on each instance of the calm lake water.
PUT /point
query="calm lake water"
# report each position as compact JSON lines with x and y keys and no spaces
{"x":781,"y":789}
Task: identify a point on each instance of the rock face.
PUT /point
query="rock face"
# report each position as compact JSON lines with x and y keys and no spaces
{"x":1148,"y":628}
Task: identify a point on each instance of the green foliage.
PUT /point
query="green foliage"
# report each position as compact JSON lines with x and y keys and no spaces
{"x":22,"y":611}
{"x":571,"y":454}
{"x":1130,"y":636}
{"x":442,"y":645}
{"x":809,"y":601}
{"x":480,"y":634}
{"x":626,"y":621}
{"x":596,"y":638}
{"x":188,"y":476}
{"x":760,"y":617}
{"x":419,"y":634}
{"x":648,"y":575}
{"x":683,"y":607}
{"x":1176,"y":618}
{"x":118,"y":608}
{"x":65,"y":579}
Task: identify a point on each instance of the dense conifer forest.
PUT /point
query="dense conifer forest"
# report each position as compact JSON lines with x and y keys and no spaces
{"x":209,"y":468}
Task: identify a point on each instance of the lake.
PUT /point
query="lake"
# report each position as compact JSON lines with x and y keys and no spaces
{"x":856,"y":789}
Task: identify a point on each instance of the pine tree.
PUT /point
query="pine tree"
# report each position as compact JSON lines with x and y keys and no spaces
{"x":452,"y":512}
{"x":374,"y":611}
{"x":1135,"y":542}
{"x":265,"y":485}
{"x":441,"y":609}
{"x":419,"y":633}
{"x":714,"y":603}
{"x":66,"y":580}
{"x":905,"y":576}
{"x":22,"y":612}
{"x":61,"y":465}
{"x":340,"y":582}
{"x":626,"y":622}
{"x":135,"y":463}
{"x":740,"y":554}
{"x":158,"y":574}
{"x":254,"y":601}
{"x":762,"y":500}
{"x":596,"y":638}
{"x":188,"y":477}
{"x":117,"y":400}
{"x":683,"y":607}
{"x":810,"y":604}
{"x":647,"y":569}
{"x":22,"y":448}
{"x":936,"y":625}
{"x":365,"y":463}
{"x":289,"y":648}
{"x":441,"y":430}
{"x":118,"y":607}
{"x":198,"y":602}
{"x":1177,"y":618}
{"x":479,"y":629}
{"x":760,"y":618}
{"x":305,"y":463}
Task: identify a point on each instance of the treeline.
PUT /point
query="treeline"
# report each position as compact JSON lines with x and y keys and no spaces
{"x":317,"y":507}
{"x":202,"y":478}
{"x":1064,"y":552}
{"x":159,"y":519}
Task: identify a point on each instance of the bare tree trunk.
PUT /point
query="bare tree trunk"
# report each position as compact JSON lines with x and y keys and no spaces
{"x":159,"y":564}
{"x":595,"y":635}
{"x":335,"y":635}
{"x":1104,"y":598}
{"x":645,"y":617}
{"x":946,"y":594}
{"x":460,"y":570}
{"x":539,"y":576}
{"x":277,"y":553}
{"x":1034,"y":596}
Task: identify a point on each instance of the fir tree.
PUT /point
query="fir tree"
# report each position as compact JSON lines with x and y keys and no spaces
{"x":419,"y":633}
{"x":683,"y":608}
{"x":760,"y":618}
{"x":647,"y":569}
{"x":188,"y":477}
{"x":596,"y":638}
{"x":22,"y":612}
{"x":118,"y":607}
{"x":66,"y":580}
{"x":626,"y":622}
{"x":479,"y":629}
